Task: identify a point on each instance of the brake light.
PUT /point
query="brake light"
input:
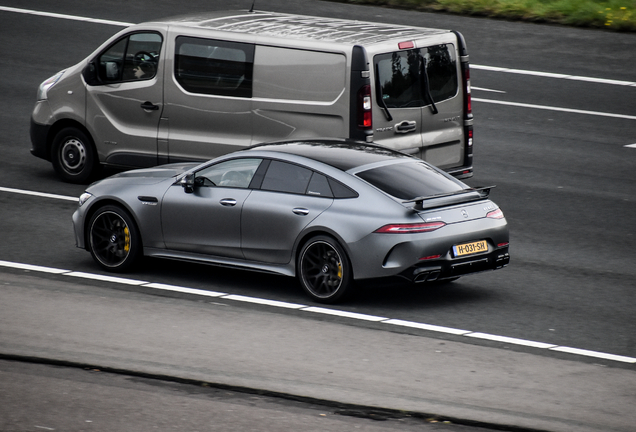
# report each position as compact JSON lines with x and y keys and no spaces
{"x":365,"y":118}
{"x":467,"y":89}
{"x":406,"y":45}
{"x":410,"y":228}
{"x":495,"y":214}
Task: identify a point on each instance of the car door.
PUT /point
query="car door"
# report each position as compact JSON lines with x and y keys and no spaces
{"x":124,"y":105}
{"x":207,"y":220}
{"x":289,"y":198}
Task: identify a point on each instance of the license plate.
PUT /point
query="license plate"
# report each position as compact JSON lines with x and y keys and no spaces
{"x":470,"y":248}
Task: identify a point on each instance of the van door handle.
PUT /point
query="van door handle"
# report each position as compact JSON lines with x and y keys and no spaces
{"x":149,"y":106}
{"x":228,"y":202}
{"x":300,"y":211}
{"x":405,"y":127}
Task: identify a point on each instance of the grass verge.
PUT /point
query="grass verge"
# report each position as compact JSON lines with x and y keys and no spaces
{"x":616,"y":15}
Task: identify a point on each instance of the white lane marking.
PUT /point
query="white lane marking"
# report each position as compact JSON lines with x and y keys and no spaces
{"x":550,"y":108}
{"x":554,"y":75}
{"x":631,"y":145}
{"x":510,"y":340}
{"x":487,"y":90}
{"x":326,"y":311}
{"x":63,"y":16}
{"x":473,"y":66}
{"x":354,"y":315}
{"x":257,"y":300}
{"x":429,"y":327}
{"x":39,"y":194}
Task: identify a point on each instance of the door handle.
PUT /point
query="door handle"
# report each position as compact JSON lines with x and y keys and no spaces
{"x":228,"y":202}
{"x":405,"y":127}
{"x":300,"y":211}
{"x":149,"y":106}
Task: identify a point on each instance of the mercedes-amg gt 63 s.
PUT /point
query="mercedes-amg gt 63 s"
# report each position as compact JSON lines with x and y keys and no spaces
{"x":329,"y":212}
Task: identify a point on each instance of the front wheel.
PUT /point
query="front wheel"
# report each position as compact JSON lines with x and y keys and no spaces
{"x":113,"y":238}
{"x":324,"y":270}
{"x":73,"y":156}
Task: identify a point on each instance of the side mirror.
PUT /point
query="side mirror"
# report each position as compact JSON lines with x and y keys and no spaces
{"x":188,"y":183}
{"x":91,"y":77}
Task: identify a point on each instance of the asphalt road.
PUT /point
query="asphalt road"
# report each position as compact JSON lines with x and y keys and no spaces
{"x":565,"y":178}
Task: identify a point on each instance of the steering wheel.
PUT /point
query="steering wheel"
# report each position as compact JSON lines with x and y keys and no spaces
{"x":143,"y":56}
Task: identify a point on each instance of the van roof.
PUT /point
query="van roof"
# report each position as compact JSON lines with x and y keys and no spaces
{"x":274,"y":24}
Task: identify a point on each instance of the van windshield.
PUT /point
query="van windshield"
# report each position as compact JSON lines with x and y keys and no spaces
{"x":411,"y":78}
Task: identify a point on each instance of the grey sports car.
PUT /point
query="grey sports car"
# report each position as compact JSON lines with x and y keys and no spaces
{"x":326,"y":211}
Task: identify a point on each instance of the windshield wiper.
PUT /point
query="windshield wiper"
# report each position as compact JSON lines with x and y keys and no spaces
{"x":419,"y":201}
{"x":378,"y":95}
{"x":426,"y":88}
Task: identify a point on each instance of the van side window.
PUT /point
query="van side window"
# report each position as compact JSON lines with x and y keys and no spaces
{"x":133,"y":58}
{"x":214,"y":67}
{"x":402,"y":75}
{"x":294,"y":74}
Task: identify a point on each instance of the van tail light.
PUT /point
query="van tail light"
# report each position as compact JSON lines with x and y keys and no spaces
{"x":495,"y":214}
{"x":467,"y":89}
{"x":410,"y":228}
{"x":365,"y":118}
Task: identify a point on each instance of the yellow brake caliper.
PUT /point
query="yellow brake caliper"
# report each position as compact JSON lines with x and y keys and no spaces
{"x":126,"y":239}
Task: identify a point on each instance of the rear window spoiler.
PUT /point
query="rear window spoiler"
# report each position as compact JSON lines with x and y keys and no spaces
{"x":483,"y":191}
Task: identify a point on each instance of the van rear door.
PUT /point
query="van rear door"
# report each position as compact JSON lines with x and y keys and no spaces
{"x":418,"y":102}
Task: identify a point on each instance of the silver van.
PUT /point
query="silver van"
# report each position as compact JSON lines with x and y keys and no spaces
{"x":194,"y":87}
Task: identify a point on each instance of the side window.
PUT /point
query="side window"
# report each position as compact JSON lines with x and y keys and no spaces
{"x":319,"y":186}
{"x":286,"y":177}
{"x":214,"y":67}
{"x":294,"y":74}
{"x":132,"y":58}
{"x":235,"y":173}
{"x":403,"y":76}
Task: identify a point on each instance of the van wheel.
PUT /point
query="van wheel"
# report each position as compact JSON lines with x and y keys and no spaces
{"x":324,"y":270}
{"x":73,"y":156}
{"x":113,"y":238}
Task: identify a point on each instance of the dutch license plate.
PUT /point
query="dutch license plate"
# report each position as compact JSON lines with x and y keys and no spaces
{"x":470,"y":248}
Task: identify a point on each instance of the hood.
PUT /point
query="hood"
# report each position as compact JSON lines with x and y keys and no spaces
{"x":157,"y":173}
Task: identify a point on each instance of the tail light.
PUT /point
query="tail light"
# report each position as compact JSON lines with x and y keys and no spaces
{"x":495,"y":214}
{"x":467,"y":90}
{"x":365,"y":118}
{"x":410,"y":228}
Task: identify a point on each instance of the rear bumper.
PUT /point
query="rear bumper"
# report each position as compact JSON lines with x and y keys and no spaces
{"x":448,"y":269}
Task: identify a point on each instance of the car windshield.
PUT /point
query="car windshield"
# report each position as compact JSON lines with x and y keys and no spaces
{"x":411,"y":180}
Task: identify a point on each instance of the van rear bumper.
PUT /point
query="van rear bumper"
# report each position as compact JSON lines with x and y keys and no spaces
{"x":39,"y":134}
{"x":462,"y":172}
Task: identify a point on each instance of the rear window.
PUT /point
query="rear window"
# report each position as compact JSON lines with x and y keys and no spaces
{"x":411,"y":180}
{"x":405,"y":77}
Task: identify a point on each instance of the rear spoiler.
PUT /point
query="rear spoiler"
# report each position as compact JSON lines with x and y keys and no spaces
{"x":419,"y":201}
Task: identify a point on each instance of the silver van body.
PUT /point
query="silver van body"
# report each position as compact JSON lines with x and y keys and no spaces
{"x":191,"y":88}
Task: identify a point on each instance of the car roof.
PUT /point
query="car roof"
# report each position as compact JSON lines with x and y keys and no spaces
{"x":289,"y":26}
{"x":339,"y":153}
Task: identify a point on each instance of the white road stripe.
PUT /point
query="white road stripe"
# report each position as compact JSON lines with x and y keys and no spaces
{"x":63,"y":16}
{"x":39,"y":194}
{"x":554,"y":75}
{"x":326,"y":311}
{"x":631,"y":145}
{"x":550,"y":108}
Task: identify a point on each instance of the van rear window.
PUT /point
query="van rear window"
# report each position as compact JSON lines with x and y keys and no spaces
{"x":214,"y":67}
{"x":403,"y":76}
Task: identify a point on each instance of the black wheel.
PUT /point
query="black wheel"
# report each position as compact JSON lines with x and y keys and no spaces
{"x":113,"y":238}
{"x":73,"y":156}
{"x":324,"y":270}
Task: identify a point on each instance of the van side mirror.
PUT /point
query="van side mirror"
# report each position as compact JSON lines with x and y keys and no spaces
{"x":90,"y":74}
{"x":188,"y":183}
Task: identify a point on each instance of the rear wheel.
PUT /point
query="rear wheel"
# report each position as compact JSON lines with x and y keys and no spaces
{"x":324,"y":270}
{"x":73,"y":156}
{"x":113,"y":238}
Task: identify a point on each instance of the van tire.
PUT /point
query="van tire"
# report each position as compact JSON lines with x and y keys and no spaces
{"x":73,"y":155}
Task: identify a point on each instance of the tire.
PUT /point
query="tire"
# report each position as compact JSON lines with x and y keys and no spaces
{"x":73,"y":155}
{"x":324,"y":270}
{"x":113,"y":239}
